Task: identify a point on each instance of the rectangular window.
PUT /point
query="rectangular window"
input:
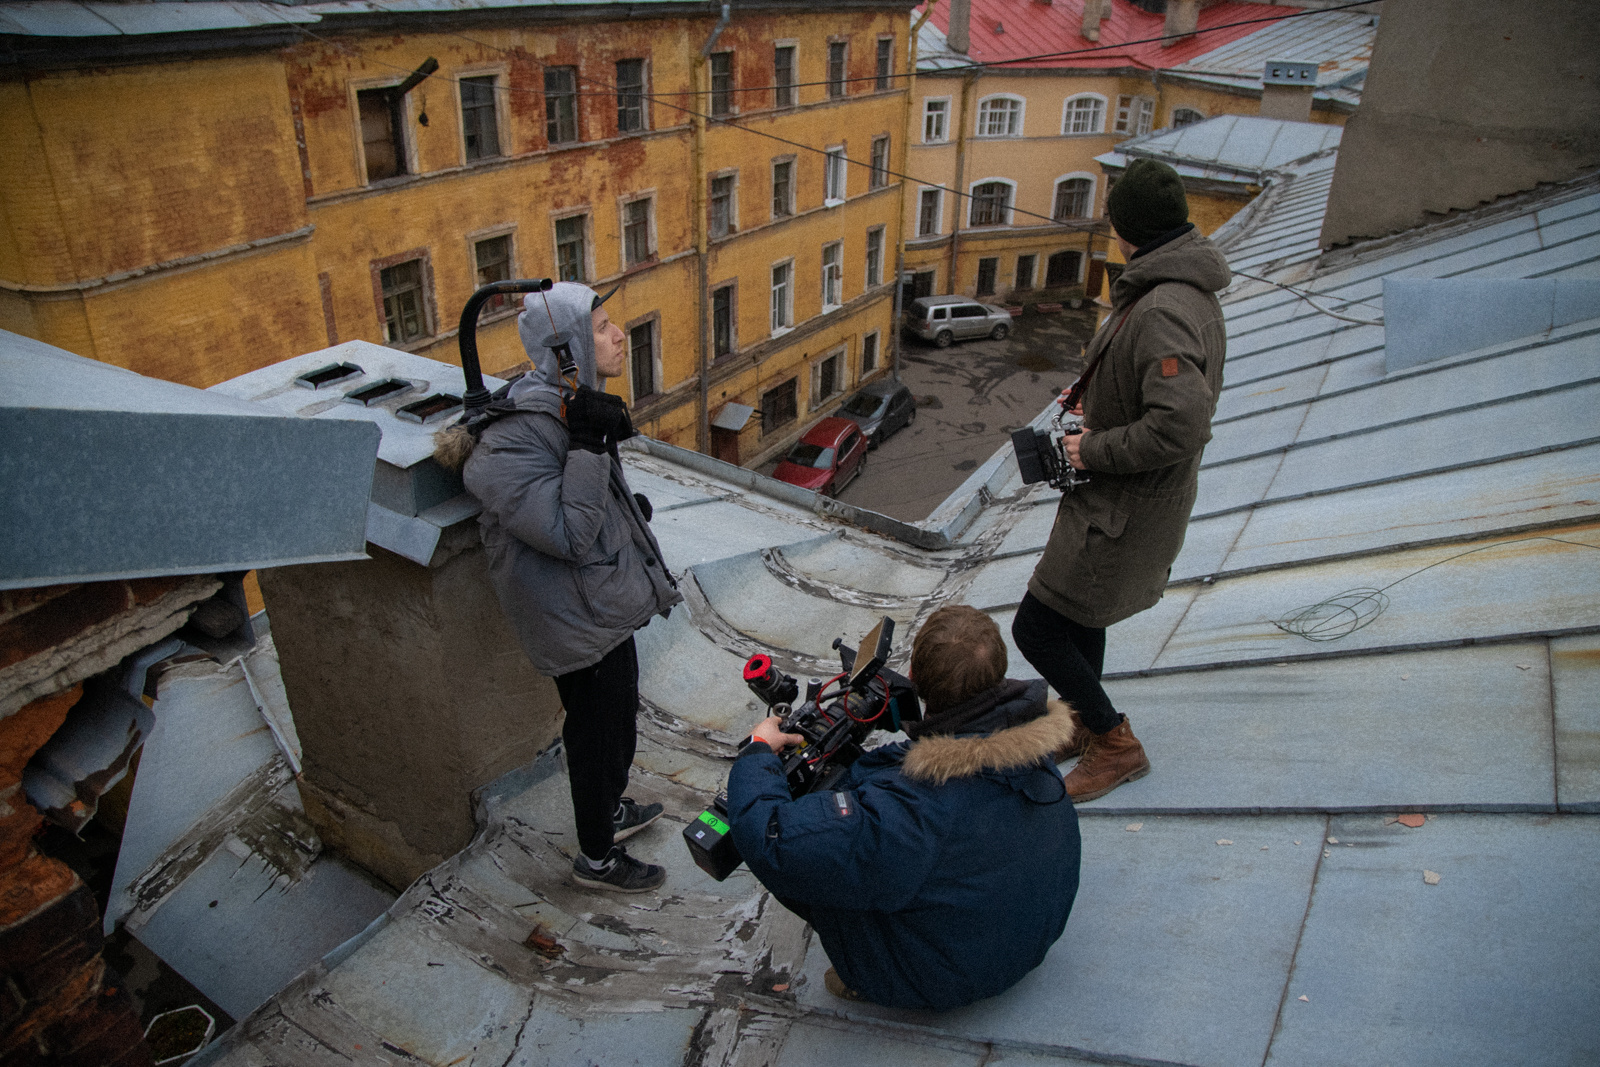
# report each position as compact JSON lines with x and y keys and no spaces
{"x":561,"y":104}
{"x":875,"y":256}
{"x":642,"y":358}
{"x":479,"y":126}
{"x":382,"y":137}
{"x":928,"y":213}
{"x":988,"y":267}
{"x":493,"y":258}
{"x":782,"y":297}
{"x":1134,"y":115}
{"x":990,"y":201}
{"x":405,"y":316}
{"x":880,"y":162}
{"x":569,"y":249}
{"x":833,"y":186}
{"x":721,"y":83}
{"x":636,"y":232}
{"x":832,"y":275}
{"x":836,"y":84}
{"x":720,"y":210}
{"x":630,"y":95}
{"x":869,"y":354}
{"x":782,"y":188}
{"x":721,"y":321}
{"x":825,"y":381}
{"x":1072,"y":198}
{"x":885,"y":62}
{"x":935,"y":114}
{"x":783,"y":77}
{"x":1025,"y":268}
{"x":778,"y":407}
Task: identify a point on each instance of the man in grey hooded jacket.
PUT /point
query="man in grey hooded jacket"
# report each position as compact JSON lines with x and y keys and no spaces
{"x":573,"y":562}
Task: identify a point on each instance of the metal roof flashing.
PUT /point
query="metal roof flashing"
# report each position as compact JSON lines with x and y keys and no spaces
{"x":1428,"y":319}
{"x":408,"y":398}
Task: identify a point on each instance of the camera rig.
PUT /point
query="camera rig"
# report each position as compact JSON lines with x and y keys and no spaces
{"x":1042,"y":456}
{"x":835,"y":718}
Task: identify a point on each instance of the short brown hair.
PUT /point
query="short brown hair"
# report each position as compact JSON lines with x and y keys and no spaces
{"x":956,"y":655}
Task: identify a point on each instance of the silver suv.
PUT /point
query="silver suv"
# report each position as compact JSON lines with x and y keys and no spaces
{"x":945,"y":319}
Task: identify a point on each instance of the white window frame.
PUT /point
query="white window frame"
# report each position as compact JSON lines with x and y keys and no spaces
{"x":500,"y":72}
{"x":1136,"y":115}
{"x":841,"y":375}
{"x":1094,"y":193}
{"x":944,"y":120}
{"x":587,"y":251}
{"x":1066,"y":115}
{"x":835,"y":175}
{"x":644,"y":103}
{"x":408,"y":142}
{"x":794,"y":168}
{"x":733,"y":201}
{"x":938,"y":214}
{"x":873,"y":277}
{"x":785,"y":309}
{"x":1011,"y":201}
{"x":652,"y":253}
{"x":833,"y":272}
{"x":985,"y":105}
{"x":877,"y":354}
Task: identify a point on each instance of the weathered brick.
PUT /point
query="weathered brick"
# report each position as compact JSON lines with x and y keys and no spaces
{"x":25,"y":732}
{"x":98,"y":1030}
{"x":69,"y":917}
{"x":39,"y":979}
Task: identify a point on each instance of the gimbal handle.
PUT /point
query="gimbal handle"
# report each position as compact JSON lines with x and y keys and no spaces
{"x":476,"y":397}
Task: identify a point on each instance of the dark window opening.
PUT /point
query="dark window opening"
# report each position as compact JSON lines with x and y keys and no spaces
{"x":778,"y":407}
{"x":827,"y":377}
{"x":561,"y":104}
{"x":782,"y":189}
{"x":988,"y":266}
{"x":1072,"y":198}
{"x":569,"y":249}
{"x":1025,"y":271}
{"x":989,"y":203}
{"x":836,"y":83}
{"x":885,"y":62}
{"x":720,"y":219}
{"x":404,"y":312}
{"x":636,"y":232}
{"x":880,"y":163}
{"x":382,"y":133}
{"x":869,"y":354}
{"x":783,"y":77}
{"x":493,"y":257}
{"x":928,"y":213}
{"x":1062,"y":269}
{"x":722,"y":321}
{"x":630,"y":95}
{"x":642,"y":354}
{"x":721,"y":83}
{"x":875,"y":256}
{"x":478,"y":121}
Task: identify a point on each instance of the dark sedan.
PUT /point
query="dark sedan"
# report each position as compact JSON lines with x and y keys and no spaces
{"x":880,"y":408}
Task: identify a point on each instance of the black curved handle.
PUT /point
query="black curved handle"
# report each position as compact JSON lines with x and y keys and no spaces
{"x":476,"y":397}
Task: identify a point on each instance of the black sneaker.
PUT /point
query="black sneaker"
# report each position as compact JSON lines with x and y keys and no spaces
{"x":631,"y":818}
{"x":620,"y":873}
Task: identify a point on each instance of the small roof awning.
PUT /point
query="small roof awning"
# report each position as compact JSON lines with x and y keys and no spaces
{"x":732,"y":417}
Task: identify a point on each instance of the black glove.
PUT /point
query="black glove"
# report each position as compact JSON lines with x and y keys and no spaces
{"x":596,"y":421}
{"x":644,"y":505}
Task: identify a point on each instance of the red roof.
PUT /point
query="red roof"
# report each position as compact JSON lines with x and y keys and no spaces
{"x":1032,"y":28}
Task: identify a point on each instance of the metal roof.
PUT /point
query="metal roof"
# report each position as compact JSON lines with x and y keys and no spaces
{"x":1339,"y":42}
{"x":109,"y":474}
{"x":1241,"y":148}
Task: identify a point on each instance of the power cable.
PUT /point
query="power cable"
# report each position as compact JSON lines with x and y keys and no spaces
{"x":1306,"y":296}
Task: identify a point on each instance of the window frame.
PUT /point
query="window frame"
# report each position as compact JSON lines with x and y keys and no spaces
{"x":1005,"y":210}
{"x":1135,"y":115}
{"x":497,"y":97}
{"x":883,"y":74}
{"x":623,"y":205}
{"x":722,"y":100}
{"x":1017,"y":281}
{"x":938,"y":210}
{"x":731,"y":176}
{"x":1055,"y":195}
{"x":872,"y":271}
{"x":776,"y":328}
{"x":732,"y":289}
{"x":658,"y":386}
{"x":838,"y":87}
{"x":839,"y":356}
{"x":1100,"y":115}
{"x":1019,"y":114}
{"x":944,"y":119}
{"x":770,"y":424}
{"x":788,"y":207}
{"x":643,"y":94}
{"x":585,"y":255}
{"x":553,"y":100}
{"x":793,"y":85}
{"x":399,"y":123}
{"x":878,"y":168}
{"x":876,"y":347}
{"x":832,"y":272}
{"x":1199,"y":116}
{"x":429,"y":309}
{"x":835,"y":163}
{"x":501,"y":304}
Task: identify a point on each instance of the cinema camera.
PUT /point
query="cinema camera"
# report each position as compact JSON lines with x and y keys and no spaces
{"x":1042,"y":456}
{"x":835,"y":719}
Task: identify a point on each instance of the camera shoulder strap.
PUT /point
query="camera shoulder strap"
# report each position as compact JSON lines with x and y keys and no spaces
{"x":1075,"y":394}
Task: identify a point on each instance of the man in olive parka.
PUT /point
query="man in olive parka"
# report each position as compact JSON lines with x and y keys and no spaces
{"x":1154,"y":371}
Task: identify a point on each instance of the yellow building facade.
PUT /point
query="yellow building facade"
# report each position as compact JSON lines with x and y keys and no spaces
{"x":218,"y":206}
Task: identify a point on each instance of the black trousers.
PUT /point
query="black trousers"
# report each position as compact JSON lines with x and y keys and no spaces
{"x":600,"y":734}
{"x":1067,"y":656}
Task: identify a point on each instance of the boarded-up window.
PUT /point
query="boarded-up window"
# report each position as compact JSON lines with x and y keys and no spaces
{"x":405,"y":315}
{"x":479,"y":125}
{"x":561,"y":104}
{"x":381,"y":133}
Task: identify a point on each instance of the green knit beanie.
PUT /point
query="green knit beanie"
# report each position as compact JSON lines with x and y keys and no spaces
{"x":1147,"y":201}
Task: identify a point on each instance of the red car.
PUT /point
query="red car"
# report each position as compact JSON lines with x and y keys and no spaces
{"x":826,"y":457}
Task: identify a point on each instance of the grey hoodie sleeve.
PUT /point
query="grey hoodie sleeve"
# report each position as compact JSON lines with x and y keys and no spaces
{"x":549,"y":498}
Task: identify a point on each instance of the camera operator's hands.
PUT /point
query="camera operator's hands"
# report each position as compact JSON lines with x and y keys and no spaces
{"x":770,"y":731}
{"x":1073,"y":443}
{"x":596,"y":421}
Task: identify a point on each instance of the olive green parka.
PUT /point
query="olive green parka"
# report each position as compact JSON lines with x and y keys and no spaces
{"x":1148,"y":409}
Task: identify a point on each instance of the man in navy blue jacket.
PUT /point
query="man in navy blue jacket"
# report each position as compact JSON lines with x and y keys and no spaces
{"x":939,"y":870}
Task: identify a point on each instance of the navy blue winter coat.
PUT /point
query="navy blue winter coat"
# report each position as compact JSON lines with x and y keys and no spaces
{"x":937,"y":872}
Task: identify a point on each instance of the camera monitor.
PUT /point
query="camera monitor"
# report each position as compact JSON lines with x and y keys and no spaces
{"x":874,"y":653}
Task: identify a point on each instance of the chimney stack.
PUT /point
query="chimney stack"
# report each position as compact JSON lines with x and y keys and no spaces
{"x":1092,"y":14}
{"x":959,"y":34}
{"x":1182,"y":18}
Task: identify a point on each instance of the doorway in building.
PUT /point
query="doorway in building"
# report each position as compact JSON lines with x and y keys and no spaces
{"x":988,"y":267}
{"x":1062,"y":269}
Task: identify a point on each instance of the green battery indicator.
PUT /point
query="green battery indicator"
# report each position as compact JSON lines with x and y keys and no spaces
{"x":715,"y":823}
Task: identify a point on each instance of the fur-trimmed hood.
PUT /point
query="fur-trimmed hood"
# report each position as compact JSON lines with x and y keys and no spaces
{"x":938,"y":759}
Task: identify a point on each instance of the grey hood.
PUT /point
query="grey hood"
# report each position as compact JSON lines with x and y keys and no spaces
{"x":571,"y":305}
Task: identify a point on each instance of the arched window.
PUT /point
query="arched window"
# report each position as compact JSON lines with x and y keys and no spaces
{"x":1000,"y":116}
{"x":1084,"y":114}
{"x":1074,"y":198}
{"x":1185,"y":116}
{"x":991,"y":204}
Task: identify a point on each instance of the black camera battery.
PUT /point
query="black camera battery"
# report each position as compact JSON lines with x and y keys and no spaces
{"x":710,"y":842}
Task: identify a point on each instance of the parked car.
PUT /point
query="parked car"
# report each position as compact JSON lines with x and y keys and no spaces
{"x":880,"y":408}
{"x":946,"y":319}
{"x":826,"y":457}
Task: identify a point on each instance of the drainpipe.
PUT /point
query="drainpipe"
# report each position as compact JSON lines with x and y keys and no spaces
{"x":905,"y":155}
{"x":699,"y":73}
{"x":967,"y":82}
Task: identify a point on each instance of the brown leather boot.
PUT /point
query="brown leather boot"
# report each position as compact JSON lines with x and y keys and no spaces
{"x":1108,"y":760}
{"x":1080,"y":737}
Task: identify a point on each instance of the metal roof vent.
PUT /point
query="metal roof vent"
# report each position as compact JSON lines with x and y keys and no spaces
{"x":383,"y":389}
{"x":430,"y":409}
{"x":1282,"y":72}
{"x":332,"y":374}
